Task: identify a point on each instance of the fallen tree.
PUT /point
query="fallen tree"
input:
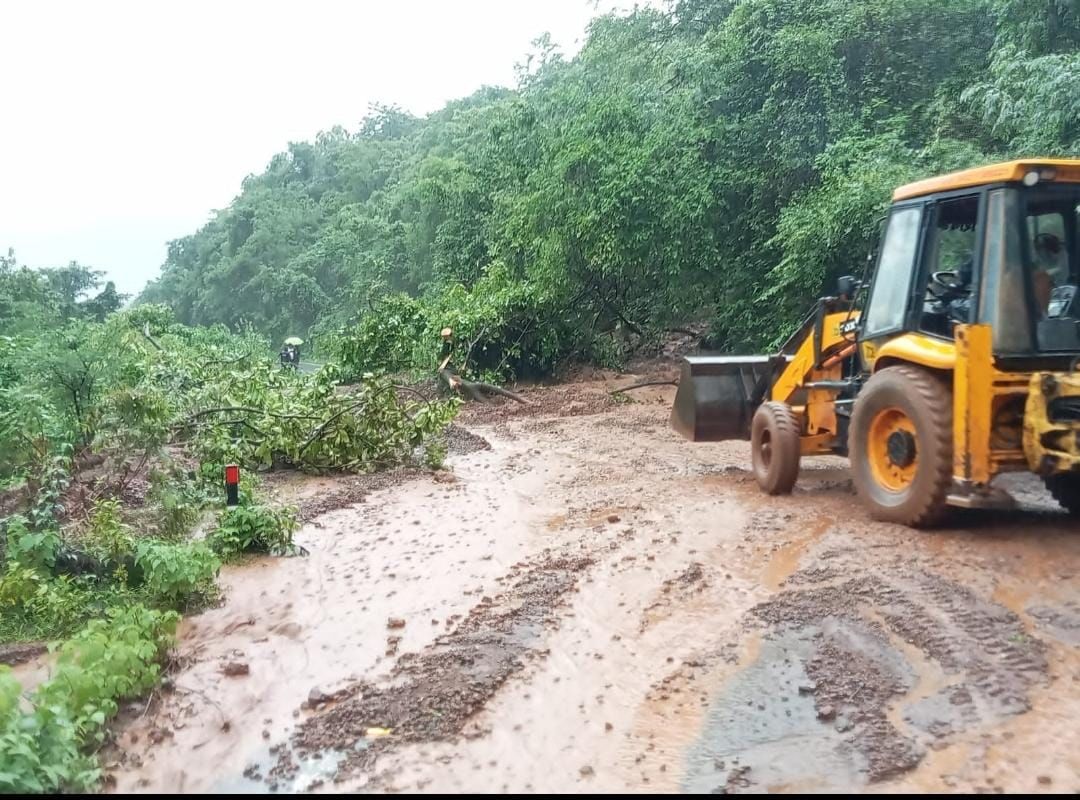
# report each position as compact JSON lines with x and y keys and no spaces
{"x":476,"y":390}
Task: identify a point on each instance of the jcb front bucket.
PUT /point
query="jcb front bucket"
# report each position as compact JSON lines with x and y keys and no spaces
{"x":718,"y":396}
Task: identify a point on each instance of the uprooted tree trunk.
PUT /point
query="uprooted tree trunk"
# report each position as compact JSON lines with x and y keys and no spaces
{"x":474,"y":390}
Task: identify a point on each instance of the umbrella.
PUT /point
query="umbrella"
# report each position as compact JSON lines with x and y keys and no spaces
{"x":294,"y":340}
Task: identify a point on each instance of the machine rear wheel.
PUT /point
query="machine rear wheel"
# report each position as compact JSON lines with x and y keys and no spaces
{"x":774,"y":444}
{"x":1066,"y":490}
{"x":901,"y":446}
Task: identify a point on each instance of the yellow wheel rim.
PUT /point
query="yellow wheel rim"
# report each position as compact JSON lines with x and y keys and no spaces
{"x":891,"y":450}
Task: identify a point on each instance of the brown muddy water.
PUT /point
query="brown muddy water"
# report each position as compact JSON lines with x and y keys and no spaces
{"x":594,"y":605}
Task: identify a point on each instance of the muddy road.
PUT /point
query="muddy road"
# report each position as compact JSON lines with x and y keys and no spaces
{"x":584,"y":602}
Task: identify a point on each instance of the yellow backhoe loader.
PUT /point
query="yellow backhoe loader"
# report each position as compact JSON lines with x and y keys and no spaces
{"x":955,"y":362}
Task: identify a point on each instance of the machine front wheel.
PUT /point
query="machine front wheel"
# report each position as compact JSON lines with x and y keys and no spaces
{"x":901,"y":446}
{"x":774,"y":443}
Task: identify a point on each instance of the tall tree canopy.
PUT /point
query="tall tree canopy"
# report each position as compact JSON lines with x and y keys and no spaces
{"x":720,"y":160}
{"x":33,"y":300}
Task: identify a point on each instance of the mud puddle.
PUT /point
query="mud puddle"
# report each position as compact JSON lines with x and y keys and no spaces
{"x":432,"y":696}
{"x":594,"y":713}
{"x":31,"y":666}
{"x":711,"y":640}
{"x":765,"y":731}
{"x":383,"y":578}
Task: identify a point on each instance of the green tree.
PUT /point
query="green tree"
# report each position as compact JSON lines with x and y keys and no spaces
{"x":682,"y":165}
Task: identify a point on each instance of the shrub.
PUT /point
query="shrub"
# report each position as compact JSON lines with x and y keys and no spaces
{"x":45,"y":750}
{"x":36,"y":605}
{"x":176,"y":575}
{"x":254,"y":529}
{"x":106,"y":536}
{"x":34,"y":549}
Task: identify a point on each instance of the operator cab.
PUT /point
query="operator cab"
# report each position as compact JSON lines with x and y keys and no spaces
{"x":998,"y":245}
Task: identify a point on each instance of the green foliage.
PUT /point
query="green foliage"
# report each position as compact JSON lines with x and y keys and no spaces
{"x":435,"y":455}
{"x":35,"y":550}
{"x":681,"y":166}
{"x":106,"y":536}
{"x":176,"y":575}
{"x":503,"y":327}
{"x":71,"y":365}
{"x":118,"y":568}
{"x":1031,"y":103}
{"x":31,"y":430}
{"x":254,"y":529}
{"x":384,"y":341}
{"x":111,"y":659}
{"x":36,"y":605}
{"x":134,"y":386}
{"x":32,"y":299}
{"x":273,"y":417}
{"x":178,"y":502}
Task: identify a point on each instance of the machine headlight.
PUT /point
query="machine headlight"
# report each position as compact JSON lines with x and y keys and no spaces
{"x":1035,"y":176}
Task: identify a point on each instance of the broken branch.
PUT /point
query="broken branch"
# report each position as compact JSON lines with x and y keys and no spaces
{"x":643,"y":384}
{"x":476,"y":390}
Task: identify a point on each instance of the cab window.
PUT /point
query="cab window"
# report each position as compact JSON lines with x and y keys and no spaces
{"x":896,"y":266}
{"x":949,"y":265}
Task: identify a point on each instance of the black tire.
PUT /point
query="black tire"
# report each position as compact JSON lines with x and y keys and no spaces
{"x":1066,"y":490}
{"x":920,"y":463}
{"x":774,"y":445}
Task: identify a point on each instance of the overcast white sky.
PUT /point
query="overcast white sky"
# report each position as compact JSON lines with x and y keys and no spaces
{"x":123,"y":124}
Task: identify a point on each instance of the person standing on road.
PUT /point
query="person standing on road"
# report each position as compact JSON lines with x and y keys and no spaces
{"x":447,"y":348}
{"x":445,"y":371}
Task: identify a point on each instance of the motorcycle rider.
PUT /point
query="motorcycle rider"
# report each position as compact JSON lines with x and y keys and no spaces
{"x":290,"y":355}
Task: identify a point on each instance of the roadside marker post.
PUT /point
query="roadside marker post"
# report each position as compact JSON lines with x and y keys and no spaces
{"x":232,"y":485}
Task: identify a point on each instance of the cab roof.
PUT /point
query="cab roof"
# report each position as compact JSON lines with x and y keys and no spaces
{"x":1066,"y":170}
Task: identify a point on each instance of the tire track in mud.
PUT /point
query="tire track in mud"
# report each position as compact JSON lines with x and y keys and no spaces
{"x":895,"y":657}
{"x":678,"y":589}
{"x":858,"y":661}
{"x":431,"y":696}
{"x":435,"y":695}
{"x":857,"y":668}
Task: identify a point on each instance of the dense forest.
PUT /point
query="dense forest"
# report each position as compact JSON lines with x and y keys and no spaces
{"x":720,"y":161}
